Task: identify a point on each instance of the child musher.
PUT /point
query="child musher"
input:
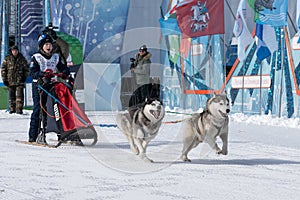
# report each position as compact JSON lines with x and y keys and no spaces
{"x":41,"y":64}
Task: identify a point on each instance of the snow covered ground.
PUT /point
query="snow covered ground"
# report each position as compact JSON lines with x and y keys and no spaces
{"x":263,"y":163}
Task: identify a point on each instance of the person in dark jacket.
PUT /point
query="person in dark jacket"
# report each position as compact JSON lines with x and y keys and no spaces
{"x":140,"y":67}
{"x":14,"y":72}
{"x":41,"y":62}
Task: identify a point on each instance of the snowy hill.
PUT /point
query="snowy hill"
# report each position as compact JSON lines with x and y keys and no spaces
{"x":263,"y":163}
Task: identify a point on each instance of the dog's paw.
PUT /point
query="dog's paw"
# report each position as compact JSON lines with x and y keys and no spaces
{"x":135,"y":150}
{"x":145,"y":158}
{"x":184,"y":158}
{"x":222,"y":152}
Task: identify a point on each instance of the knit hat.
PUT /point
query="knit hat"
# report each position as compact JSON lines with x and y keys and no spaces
{"x":43,"y":39}
{"x":143,"y":48}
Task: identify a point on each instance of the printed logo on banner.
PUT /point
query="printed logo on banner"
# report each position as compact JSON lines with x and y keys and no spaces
{"x":200,"y":17}
{"x":253,"y":81}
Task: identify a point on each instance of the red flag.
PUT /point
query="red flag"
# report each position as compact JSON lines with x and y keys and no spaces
{"x":201,"y":17}
{"x":185,"y":46}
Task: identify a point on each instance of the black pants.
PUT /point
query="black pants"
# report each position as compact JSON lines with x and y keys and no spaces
{"x":142,"y":93}
{"x":139,"y":95}
{"x":35,"y":116}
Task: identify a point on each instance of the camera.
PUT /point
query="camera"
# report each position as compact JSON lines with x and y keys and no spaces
{"x":51,"y":27}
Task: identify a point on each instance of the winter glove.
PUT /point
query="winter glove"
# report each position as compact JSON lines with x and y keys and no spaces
{"x":6,"y":83}
{"x":48,"y":73}
{"x":65,"y":73}
{"x":38,"y":75}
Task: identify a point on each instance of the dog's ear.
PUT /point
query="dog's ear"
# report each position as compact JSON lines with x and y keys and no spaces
{"x":161,"y":102}
{"x":214,"y":94}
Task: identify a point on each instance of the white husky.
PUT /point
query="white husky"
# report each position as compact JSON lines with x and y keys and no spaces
{"x":142,"y":127}
{"x":207,"y":126}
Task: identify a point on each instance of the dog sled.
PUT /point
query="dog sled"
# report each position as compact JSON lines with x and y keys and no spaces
{"x":62,"y":115}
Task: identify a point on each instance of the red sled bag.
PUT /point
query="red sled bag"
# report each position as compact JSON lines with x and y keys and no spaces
{"x":65,"y":117}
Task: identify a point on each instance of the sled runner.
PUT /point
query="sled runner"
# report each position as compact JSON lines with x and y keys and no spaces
{"x":62,"y":115}
{"x":36,"y":144}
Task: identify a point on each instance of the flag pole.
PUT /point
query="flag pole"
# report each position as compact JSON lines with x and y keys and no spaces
{"x":193,"y":72}
{"x":260,"y":89}
{"x":224,"y":61}
{"x":281,"y":80}
{"x":209,"y":61}
{"x":243,"y":85}
{"x":293,"y":25}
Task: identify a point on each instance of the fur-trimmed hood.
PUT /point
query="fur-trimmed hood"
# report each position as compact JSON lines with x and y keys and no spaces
{"x":144,"y":58}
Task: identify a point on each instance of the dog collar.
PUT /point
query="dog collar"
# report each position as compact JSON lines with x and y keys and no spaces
{"x":147,"y":119}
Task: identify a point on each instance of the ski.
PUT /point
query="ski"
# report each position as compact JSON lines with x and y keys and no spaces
{"x":36,"y":144}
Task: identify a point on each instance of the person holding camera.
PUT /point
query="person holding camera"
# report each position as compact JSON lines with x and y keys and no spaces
{"x":14,"y":72}
{"x":140,"y":68}
{"x":43,"y":63}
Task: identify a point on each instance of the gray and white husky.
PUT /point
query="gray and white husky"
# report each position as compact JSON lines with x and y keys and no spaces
{"x":142,"y":126}
{"x":207,"y":126}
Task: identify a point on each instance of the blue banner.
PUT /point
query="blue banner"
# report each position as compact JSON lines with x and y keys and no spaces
{"x":274,"y":14}
{"x":98,"y":25}
{"x":169,"y":26}
{"x":31,"y":26}
{"x":262,"y":50}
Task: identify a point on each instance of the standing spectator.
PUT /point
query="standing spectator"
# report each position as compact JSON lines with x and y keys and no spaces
{"x":14,"y":73}
{"x":140,"y":67}
{"x":42,"y":61}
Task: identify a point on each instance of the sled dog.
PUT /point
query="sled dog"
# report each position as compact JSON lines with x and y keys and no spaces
{"x":207,"y":126}
{"x":142,"y":126}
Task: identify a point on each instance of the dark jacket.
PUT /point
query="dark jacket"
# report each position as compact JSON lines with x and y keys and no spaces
{"x":14,"y":69}
{"x":142,"y":69}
